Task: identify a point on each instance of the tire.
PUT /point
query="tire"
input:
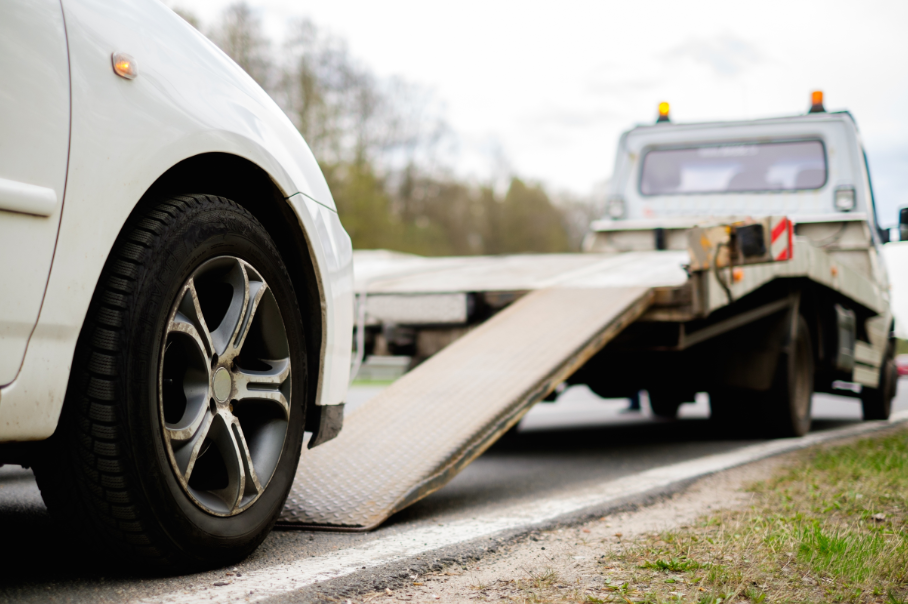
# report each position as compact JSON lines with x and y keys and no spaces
{"x":665,"y":404}
{"x":784,"y":409}
{"x":146,"y":463}
{"x":876,"y":403}
{"x":790,"y":398}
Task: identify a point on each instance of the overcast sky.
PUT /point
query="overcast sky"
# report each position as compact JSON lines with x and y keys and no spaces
{"x":549,"y":86}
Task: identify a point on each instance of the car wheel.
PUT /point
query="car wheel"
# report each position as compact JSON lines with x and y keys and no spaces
{"x":183,"y":423}
{"x":876,"y":403}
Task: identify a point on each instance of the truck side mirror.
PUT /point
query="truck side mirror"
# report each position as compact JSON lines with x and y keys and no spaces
{"x":903,"y":224}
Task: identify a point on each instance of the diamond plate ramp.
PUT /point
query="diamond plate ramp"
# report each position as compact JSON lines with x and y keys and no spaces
{"x":431,"y":423}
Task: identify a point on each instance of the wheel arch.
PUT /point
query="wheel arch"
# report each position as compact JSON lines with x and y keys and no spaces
{"x":247,"y":184}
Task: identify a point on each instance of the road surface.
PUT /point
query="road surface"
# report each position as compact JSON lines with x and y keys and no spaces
{"x":579,"y":441}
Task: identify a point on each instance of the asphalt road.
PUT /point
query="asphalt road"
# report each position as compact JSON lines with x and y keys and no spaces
{"x":578,"y":441}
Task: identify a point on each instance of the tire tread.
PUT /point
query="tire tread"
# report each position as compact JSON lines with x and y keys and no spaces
{"x":88,"y":477}
{"x":99,"y":470}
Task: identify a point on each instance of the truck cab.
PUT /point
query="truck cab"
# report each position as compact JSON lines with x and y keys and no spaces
{"x":811,"y":168}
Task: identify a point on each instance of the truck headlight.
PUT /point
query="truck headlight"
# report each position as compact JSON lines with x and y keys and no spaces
{"x":844,"y":199}
{"x":615,"y":207}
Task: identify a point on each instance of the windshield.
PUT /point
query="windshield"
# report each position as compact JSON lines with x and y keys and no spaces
{"x":735,"y":168}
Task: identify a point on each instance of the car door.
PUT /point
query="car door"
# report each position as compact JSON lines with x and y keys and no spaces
{"x":34,"y":148}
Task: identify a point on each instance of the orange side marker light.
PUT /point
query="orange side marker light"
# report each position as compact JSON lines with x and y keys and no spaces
{"x":124,"y":65}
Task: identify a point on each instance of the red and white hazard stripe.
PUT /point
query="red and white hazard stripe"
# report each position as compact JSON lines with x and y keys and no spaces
{"x":782,"y":232}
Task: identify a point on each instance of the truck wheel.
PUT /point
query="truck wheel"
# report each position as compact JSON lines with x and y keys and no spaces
{"x":789,"y":400}
{"x":665,"y":404}
{"x":182,"y":427}
{"x":877,"y":402}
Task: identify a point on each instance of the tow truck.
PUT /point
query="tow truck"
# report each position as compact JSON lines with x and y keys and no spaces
{"x":741,"y":259}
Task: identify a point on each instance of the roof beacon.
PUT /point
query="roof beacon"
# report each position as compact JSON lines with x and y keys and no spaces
{"x":663,"y":113}
{"x":816,"y":102}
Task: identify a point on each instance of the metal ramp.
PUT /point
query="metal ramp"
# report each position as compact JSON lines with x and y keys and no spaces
{"x":431,"y":423}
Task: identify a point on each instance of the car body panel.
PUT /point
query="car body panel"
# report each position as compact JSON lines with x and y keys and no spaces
{"x":188,"y":99}
{"x":34,"y":123}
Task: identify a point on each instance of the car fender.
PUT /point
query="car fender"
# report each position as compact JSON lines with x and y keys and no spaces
{"x":188,"y":99}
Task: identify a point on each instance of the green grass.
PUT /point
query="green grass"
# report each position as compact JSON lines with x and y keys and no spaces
{"x":674,"y":565}
{"x":369,"y":383}
{"x":833,"y":527}
{"x":845,"y":512}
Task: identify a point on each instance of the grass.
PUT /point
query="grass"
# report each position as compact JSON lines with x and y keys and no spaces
{"x":674,"y":565}
{"x":370,"y":383}
{"x":831,"y":527}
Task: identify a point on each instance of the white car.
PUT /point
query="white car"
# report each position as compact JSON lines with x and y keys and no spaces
{"x":175,"y":285}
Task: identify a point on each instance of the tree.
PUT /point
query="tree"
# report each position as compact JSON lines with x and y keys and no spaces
{"x":188,"y":16}
{"x":364,"y":206}
{"x":529,"y":222}
{"x":378,"y":140}
{"x":240,"y":35}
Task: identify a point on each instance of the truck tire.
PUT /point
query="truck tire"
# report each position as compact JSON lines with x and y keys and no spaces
{"x":183,"y":421}
{"x":784,"y":409}
{"x":789,"y":400}
{"x":876,"y":403}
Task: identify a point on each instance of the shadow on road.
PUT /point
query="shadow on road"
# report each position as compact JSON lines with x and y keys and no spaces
{"x":519,"y":467}
{"x":36,"y":548}
{"x":524,"y":465}
{"x":642,"y":433}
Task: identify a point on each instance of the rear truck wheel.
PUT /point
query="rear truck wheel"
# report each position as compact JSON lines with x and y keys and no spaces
{"x":783,"y":409}
{"x":876,"y":403}
{"x":183,"y":423}
{"x":789,"y":400}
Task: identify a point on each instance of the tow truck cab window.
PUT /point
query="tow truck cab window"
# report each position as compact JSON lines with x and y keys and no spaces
{"x":734,"y":168}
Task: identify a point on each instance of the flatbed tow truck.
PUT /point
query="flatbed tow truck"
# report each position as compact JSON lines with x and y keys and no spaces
{"x":740,"y":259}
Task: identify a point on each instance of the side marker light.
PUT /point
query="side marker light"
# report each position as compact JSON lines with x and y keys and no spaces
{"x":615,"y":207}
{"x":124,"y":65}
{"x":844,"y":199}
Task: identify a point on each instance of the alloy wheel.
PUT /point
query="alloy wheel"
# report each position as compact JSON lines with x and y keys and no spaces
{"x":224,"y":386}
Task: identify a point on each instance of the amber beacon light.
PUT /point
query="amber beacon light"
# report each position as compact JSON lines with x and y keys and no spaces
{"x":124,"y":65}
{"x":816,"y":102}
{"x":663,"y":112}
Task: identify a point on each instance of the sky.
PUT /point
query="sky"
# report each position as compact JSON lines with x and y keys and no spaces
{"x":546,"y":88}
